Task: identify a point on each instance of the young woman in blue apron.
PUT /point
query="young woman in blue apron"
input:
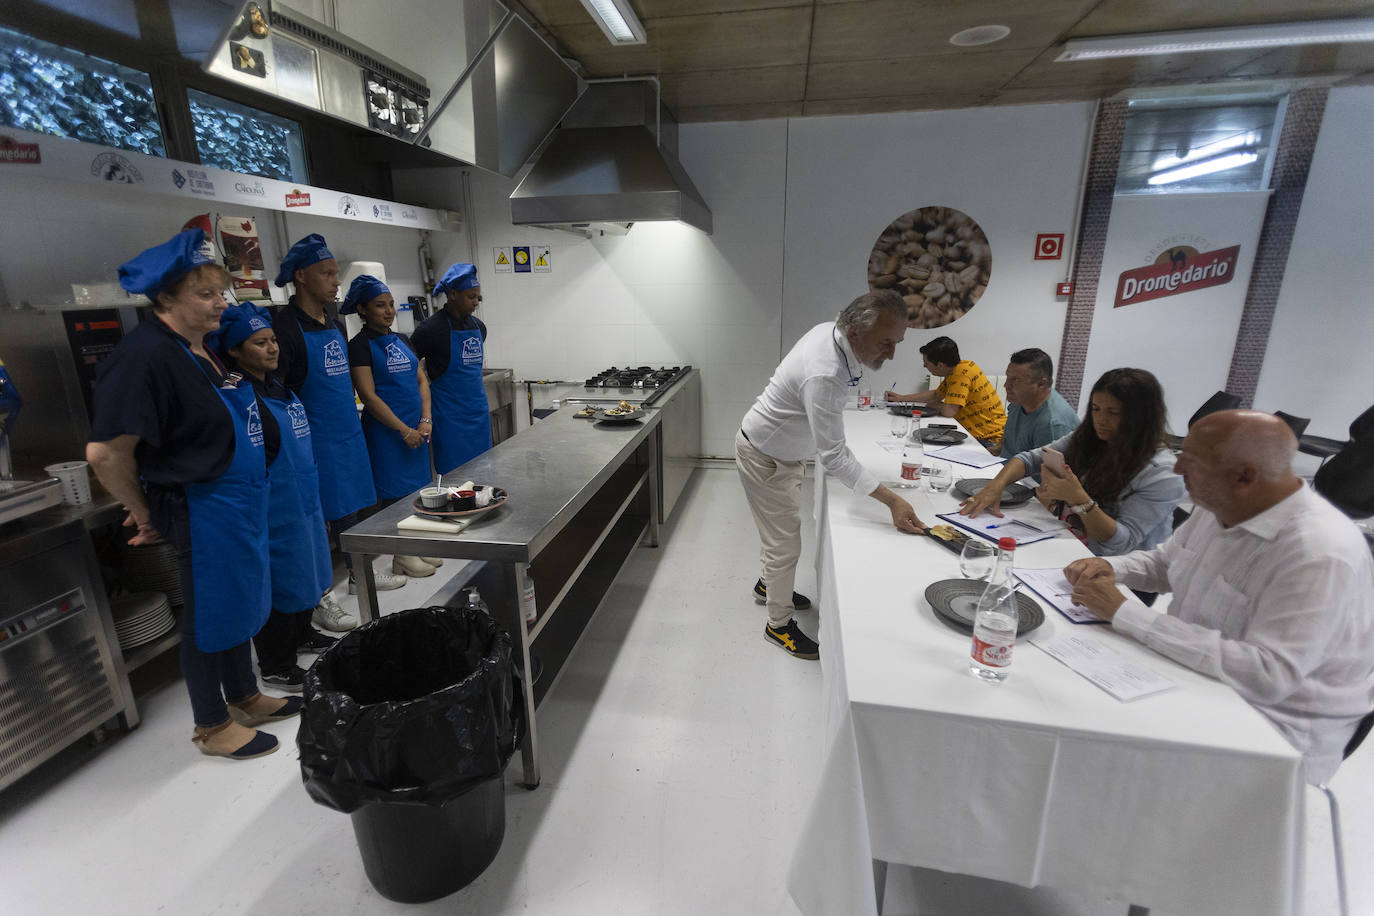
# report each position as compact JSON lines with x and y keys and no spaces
{"x":452,"y":344}
{"x":314,"y":364}
{"x":395,"y":396}
{"x":183,"y":445}
{"x":298,"y":545}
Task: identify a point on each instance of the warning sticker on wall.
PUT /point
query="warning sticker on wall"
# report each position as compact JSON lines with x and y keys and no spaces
{"x":543,"y":259}
{"x":503,"y":260}
{"x":521,"y":256}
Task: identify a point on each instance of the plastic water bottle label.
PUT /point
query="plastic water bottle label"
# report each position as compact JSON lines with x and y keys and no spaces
{"x":527,"y":602}
{"x":911,"y":471}
{"x":994,"y":655}
{"x":865,"y":399}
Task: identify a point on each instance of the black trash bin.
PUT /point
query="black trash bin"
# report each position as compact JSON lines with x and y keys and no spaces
{"x":408,"y":724}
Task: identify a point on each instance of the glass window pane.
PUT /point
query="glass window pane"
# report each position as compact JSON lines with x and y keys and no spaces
{"x":1174,"y":147}
{"x":242,"y":139}
{"x":53,"y":90}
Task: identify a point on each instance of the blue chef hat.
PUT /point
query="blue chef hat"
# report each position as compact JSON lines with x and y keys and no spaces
{"x":309,"y":250}
{"x":159,"y":266}
{"x":457,"y":278}
{"x":237,"y":324}
{"x":364,"y":288}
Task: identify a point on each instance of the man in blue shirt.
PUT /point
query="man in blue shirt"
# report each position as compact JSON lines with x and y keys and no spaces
{"x":1036,"y":414}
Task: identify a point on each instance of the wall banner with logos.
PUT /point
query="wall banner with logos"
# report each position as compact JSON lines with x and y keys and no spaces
{"x":1176,"y":270}
{"x":35,"y":155}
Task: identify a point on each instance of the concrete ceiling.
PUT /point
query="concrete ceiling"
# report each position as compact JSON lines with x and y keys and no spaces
{"x":744,"y":59}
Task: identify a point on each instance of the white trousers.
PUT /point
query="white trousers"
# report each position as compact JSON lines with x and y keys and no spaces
{"x":773,"y":489}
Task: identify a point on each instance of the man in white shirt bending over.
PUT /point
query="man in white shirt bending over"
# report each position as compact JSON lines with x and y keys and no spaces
{"x":801,"y":414}
{"x":1273,"y":588}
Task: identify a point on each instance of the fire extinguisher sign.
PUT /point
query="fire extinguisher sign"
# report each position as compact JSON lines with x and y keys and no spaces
{"x":1049,"y":246}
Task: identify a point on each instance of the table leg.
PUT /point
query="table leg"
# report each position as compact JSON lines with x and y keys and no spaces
{"x":516,"y":577}
{"x":655,"y":456}
{"x":367,"y":586}
{"x":879,"y":882}
{"x":1136,"y":910}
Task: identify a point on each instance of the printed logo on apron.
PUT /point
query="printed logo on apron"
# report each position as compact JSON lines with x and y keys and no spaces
{"x":300,"y":423}
{"x":472,"y":349}
{"x":254,"y":425}
{"x":335,"y":359}
{"x":397,"y":360}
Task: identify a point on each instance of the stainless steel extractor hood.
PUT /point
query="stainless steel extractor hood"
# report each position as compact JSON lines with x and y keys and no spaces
{"x":613,"y":161}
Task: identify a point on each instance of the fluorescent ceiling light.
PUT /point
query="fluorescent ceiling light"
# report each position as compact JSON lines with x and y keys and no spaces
{"x":1219,"y":164}
{"x":1328,"y":31}
{"x":1247,"y":138}
{"x":617,"y":20}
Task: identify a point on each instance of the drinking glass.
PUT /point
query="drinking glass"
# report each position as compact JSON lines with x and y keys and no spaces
{"x":977,"y":558}
{"x":899,"y":427}
{"x":938,"y":474}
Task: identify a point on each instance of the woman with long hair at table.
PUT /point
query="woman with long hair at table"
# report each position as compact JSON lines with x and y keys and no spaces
{"x":1118,"y":491}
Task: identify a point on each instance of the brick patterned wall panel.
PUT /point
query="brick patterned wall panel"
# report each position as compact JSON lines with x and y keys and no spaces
{"x":1292,"y":161}
{"x":1092,"y":241}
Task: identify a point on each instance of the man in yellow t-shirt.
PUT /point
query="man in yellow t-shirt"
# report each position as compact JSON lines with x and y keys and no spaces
{"x":964,"y":393}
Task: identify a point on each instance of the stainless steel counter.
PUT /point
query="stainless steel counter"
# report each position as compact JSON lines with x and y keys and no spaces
{"x":583,"y":495}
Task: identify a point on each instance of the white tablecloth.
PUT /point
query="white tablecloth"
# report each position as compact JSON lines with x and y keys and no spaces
{"x":1187,"y":800}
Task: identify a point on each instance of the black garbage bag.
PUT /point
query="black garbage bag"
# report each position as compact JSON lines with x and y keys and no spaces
{"x":417,"y":707}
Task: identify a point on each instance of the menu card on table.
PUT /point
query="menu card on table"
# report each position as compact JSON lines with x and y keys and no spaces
{"x":975,"y":456}
{"x":994,"y":527}
{"x":1051,"y":586}
{"x":1120,"y":676}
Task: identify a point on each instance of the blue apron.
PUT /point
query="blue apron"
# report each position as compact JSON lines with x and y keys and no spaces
{"x":228,"y":533}
{"x":298,"y":542}
{"x":397,"y":469}
{"x":335,"y":433}
{"x":458,"y":400}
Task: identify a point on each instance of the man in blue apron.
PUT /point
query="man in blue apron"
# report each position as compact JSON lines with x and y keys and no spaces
{"x":298,"y":545}
{"x":314,"y":364}
{"x":452,"y":344}
{"x":184,"y":446}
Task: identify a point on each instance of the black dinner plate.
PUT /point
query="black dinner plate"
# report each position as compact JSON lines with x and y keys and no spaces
{"x":903,"y":410}
{"x":954,"y":600}
{"x":1013,"y":495}
{"x":498,"y":499}
{"x":635,"y":414}
{"x":941,"y":435}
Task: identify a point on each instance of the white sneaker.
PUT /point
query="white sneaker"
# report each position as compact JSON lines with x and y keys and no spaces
{"x":329,"y":615}
{"x":432,"y":561}
{"x":413,"y":567}
{"x":384,"y":581}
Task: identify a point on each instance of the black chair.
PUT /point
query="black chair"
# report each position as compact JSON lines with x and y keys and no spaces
{"x":1347,"y":479}
{"x":1361,"y":731}
{"x":1220,"y":401}
{"x":1297,"y":424}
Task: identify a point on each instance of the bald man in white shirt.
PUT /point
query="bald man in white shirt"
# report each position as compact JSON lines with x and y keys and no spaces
{"x":1273,"y":588}
{"x":801,"y":414}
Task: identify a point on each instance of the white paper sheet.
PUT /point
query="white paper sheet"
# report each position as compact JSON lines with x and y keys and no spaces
{"x":994,"y":527}
{"x":974,"y":456}
{"x":1089,"y":656}
{"x":890,"y":445}
{"x":1054,"y":589}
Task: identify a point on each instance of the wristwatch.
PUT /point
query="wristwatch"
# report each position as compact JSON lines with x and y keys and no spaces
{"x":1083,"y":509}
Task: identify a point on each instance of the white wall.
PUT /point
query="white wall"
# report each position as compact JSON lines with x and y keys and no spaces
{"x":1186,"y":340}
{"x":1015,"y":170}
{"x":1319,"y":363}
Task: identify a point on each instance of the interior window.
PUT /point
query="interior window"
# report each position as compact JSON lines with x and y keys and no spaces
{"x":1187,"y":146}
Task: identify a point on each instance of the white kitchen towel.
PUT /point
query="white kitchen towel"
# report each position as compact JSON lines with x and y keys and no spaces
{"x":416,"y":523}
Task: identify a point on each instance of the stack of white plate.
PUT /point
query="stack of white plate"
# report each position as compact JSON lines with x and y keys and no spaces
{"x":141,"y":618}
{"x":152,"y":568}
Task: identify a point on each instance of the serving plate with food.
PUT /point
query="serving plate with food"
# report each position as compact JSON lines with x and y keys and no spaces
{"x":942,"y":435}
{"x":948,"y":536}
{"x":624,"y":412}
{"x":459,"y":502}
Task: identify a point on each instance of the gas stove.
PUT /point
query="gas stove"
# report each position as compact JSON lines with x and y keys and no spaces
{"x":641,"y":377}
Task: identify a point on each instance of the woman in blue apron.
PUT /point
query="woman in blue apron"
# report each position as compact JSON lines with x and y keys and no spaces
{"x":298,"y":545}
{"x":395,"y":396}
{"x":452,"y":344}
{"x":184,"y":446}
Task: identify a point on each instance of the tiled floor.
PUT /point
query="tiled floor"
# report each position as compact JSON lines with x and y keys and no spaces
{"x":678,"y":748}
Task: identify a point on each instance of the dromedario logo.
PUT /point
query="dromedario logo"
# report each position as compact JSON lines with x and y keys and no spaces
{"x":1177,"y":270}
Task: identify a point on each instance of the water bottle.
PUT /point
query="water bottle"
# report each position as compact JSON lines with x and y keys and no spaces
{"x":913,"y":456}
{"x":473,"y":600}
{"x":865,"y":394}
{"x":995,"y":620}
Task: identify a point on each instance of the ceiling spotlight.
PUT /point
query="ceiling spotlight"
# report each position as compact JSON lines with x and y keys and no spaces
{"x":979,"y":35}
{"x":617,"y":20}
{"x":1328,"y":31}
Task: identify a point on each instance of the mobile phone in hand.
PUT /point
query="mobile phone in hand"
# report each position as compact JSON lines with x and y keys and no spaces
{"x":1054,"y":461}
